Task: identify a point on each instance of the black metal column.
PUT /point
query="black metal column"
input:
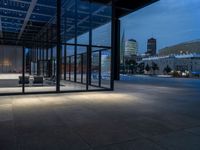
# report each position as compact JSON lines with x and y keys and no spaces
{"x":113,"y":45}
{"x":65,"y":60}
{"x":36,"y":53}
{"x":58,"y":59}
{"x":38,"y":58}
{"x":47,"y":45}
{"x":47,"y":53}
{"x":65,"y":48}
{"x":52,"y":62}
{"x":30,"y":59}
{"x":76,"y":34}
{"x":117,"y":50}
{"x":89,"y":50}
{"x":40,"y":52}
{"x":23,"y":70}
{"x":81,"y":68}
{"x":70,"y":63}
{"x":100,"y":53}
{"x":43,"y":65}
{"x":88,"y":82}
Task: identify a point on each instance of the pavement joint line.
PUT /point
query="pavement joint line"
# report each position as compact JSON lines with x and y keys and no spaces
{"x":168,"y":147}
{"x":82,"y":138}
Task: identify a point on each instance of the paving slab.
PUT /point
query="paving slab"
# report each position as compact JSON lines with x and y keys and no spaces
{"x":134,"y":116}
{"x":195,"y":130}
{"x":139,"y":144}
{"x":179,"y":140}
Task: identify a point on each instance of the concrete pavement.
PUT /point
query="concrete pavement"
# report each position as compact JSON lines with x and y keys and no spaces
{"x":133,"y":117}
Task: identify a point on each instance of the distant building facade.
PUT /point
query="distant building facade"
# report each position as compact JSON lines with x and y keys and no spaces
{"x":140,"y":57}
{"x":151,"y":47}
{"x":182,"y":63}
{"x":131,"y":48}
{"x":182,"y":48}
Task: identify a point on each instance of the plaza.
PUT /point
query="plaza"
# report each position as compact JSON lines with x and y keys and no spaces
{"x":136,"y":116}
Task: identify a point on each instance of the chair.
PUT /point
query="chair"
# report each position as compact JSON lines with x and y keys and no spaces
{"x":38,"y":80}
{"x":26,"y":80}
{"x":53,"y":78}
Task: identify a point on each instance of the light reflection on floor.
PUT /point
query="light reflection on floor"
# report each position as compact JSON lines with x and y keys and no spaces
{"x":148,"y":116}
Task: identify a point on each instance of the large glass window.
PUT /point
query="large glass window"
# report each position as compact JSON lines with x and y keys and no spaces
{"x":40,"y":69}
{"x":11,"y":69}
{"x":88,"y":29}
{"x":34,"y":59}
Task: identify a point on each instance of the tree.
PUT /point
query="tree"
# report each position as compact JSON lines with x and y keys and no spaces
{"x":154,"y":67}
{"x":130,"y":65}
{"x":147,"y":68}
{"x":167,"y":69}
{"x":130,"y":62}
{"x":140,"y":68}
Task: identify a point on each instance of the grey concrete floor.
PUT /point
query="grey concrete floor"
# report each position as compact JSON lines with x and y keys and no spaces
{"x":133,"y":117}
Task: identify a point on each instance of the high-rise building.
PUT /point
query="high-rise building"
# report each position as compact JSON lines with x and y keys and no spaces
{"x":151,"y":47}
{"x":131,"y":48}
{"x":122,"y":48}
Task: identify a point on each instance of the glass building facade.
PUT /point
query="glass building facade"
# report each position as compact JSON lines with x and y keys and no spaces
{"x":58,"y":45}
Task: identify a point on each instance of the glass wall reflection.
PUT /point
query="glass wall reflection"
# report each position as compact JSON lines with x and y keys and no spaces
{"x":11,"y":69}
{"x":86,"y":34}
{"x":40,"y":69}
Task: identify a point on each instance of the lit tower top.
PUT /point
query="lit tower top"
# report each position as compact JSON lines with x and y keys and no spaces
{"x":131,"y":48}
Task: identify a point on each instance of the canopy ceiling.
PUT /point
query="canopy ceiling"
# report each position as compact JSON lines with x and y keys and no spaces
{"x":26,"y":20}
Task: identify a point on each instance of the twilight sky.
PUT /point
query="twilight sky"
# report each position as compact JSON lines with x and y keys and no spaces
{"x":169,"y":21}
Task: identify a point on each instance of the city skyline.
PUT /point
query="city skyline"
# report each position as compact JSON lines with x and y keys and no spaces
{"x":147,"y":23}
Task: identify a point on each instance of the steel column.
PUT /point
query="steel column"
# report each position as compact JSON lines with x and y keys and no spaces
{"x":58,"y":59}
{"x":117,"y":49}
{"x":23,"y":70}
{"x":70,"y":63}
{"x":100,"y":68}
{"x":81,"y":68}
{"x":89,"y":50}
{"x":113,"y":44}
{"x":76,"y":34}
{"x":65,"y":61}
